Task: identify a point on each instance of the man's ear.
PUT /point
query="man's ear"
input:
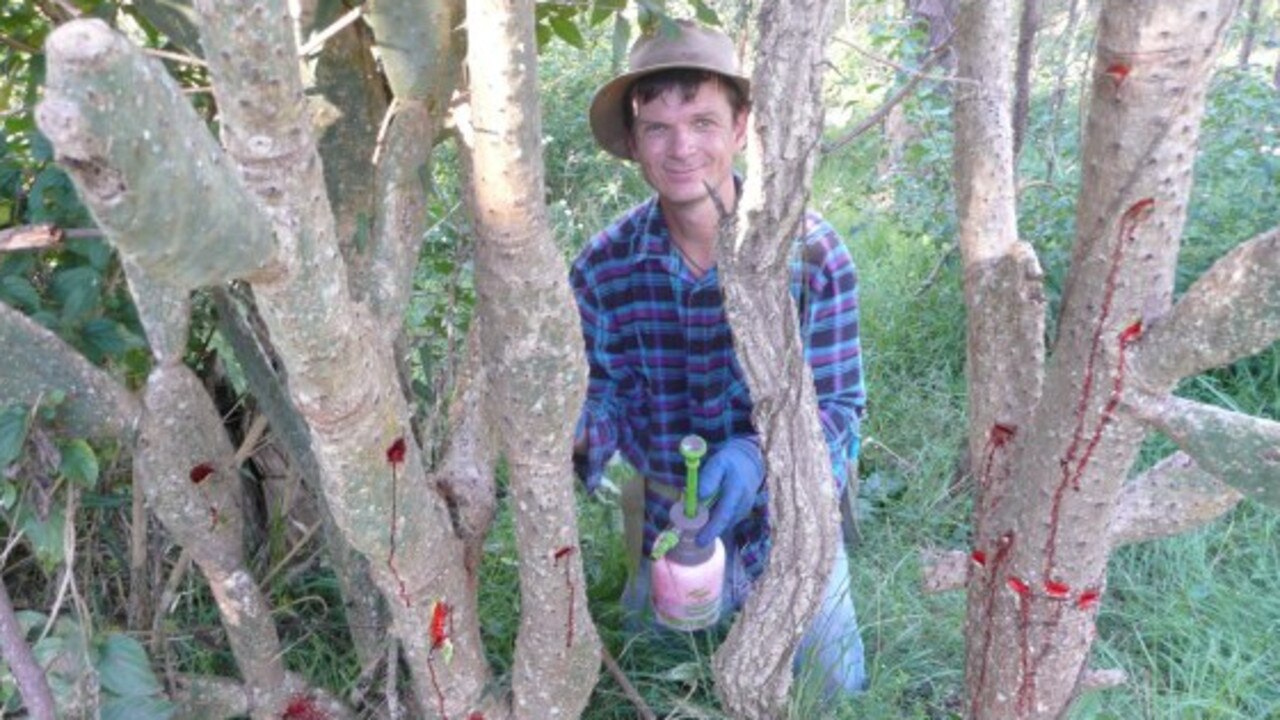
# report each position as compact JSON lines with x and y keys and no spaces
{"x":740,"y":129}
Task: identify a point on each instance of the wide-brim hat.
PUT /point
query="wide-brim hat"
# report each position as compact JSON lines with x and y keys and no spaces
{"x":693,"y":46}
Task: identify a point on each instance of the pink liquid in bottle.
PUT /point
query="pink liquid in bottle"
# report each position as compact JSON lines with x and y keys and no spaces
{"x":687,"y":581}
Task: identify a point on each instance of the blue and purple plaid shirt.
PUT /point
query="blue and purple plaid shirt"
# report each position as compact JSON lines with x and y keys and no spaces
{"x":662,"y":363}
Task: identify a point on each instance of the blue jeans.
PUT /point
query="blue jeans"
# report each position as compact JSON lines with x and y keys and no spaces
{"x":831,"y":647}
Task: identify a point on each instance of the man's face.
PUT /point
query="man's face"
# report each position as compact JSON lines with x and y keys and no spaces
{"x":681,"y":144}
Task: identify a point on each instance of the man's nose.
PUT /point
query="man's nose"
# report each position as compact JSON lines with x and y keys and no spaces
{"x":682,"y":141}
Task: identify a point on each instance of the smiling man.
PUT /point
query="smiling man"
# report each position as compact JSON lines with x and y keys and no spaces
{"x":658,"y":343}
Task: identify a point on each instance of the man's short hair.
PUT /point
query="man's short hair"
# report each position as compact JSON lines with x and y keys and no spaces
{"x":686,"y":81}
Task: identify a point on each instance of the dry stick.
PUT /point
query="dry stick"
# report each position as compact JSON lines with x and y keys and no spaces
{"x":876,"y":117}
{"x":30,"y":677}
{"x":627,"y":688}
{"x":175,"y":57}
{"x":166,"y":599}
{"x":302,"y":542}
{"x":137,"y":560}
{"x":251,"y":437}
{"x":316,"y":44}
{"x":19,"y":45}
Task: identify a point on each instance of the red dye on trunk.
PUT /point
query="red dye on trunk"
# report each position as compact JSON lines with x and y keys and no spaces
{"x":978,"y":557}
{"x":303,"y":707}
{"x":1056,"y":590}
{"x":440,"y":622}
{"x":1118,"y":72}
{"x":1003,"y":545}
{"x":395,"y":456}
{"x":435,"y":685}
{"x":1135,"y":215}
{"x":1019,"y":588}
{"x":564,"y":553}
{"x":1088,"y":599}
{"x":998,"y":438}
{"x":1127,"y":336}
{"x":200,"y":472}
{"x":477,"y":715}
{"x":198,"y":475}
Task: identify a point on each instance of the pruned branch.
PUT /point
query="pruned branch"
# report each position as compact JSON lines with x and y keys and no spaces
{"x":137,"y":152}
{"x":37,"y":363}
{"x":1172,"y":497}
{"x":1230,"y":312}
{"x":1240,"y":450}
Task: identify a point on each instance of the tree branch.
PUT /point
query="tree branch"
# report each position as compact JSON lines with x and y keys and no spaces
{"x":137,"y":151}
{"x":1240,"y":450}
{"x":1172,"y":497}
{"x":1230,"y":312}
{"x":37,"y":362}
{"x":889,"y":104}
{"x":30,"y":677}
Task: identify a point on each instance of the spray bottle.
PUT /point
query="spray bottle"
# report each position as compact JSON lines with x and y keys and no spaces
{"x":687,"y":580}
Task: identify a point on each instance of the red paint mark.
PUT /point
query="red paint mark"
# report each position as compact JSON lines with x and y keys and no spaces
{"x":395,"y":456}
{"x":1056,"y":590}
{"x":1003,"y":545}
{"x":440,"y":622}
{"x":303,"y":707}
{"x":395,"y":453}
{"x":1088,"y":599}
{"x":1127,"y":336}
{"x":198,"y":475}
{"x":477,"y":715}
{"x":999,"y":437}
{"x":978,"y":557}
{"x":1136,"y":214}
{"x":1118,"y":72}
{"x":201,"y":472}
{"x":564,"y":553}
{"x":438,"y":633}
{"x":1020,"y":588}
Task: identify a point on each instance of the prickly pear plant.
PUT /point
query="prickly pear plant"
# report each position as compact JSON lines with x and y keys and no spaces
{"x":1052,"y":443}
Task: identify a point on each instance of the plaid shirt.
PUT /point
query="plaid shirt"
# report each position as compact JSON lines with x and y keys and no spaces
{"x":662,"y":363}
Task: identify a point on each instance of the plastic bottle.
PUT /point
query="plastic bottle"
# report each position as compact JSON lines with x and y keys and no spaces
{"x":687,"y":580}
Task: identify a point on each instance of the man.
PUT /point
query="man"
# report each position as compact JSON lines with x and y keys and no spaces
{"x":661,"y":357}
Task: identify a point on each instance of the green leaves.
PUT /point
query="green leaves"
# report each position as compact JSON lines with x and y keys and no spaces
{"x":79,"y":463}
{"x":14,"y":423}
{"x":123,"y":668}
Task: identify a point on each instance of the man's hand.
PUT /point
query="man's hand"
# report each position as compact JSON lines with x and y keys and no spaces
{"x":735,"y":472}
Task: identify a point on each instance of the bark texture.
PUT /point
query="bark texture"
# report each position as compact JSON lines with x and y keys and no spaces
{"x":183,"y":466}
{"x":753,"y":666}
{"x":325,"y":339}
{"x":1042,"y":541}
{"x":38,"y":362}
{"x":531,"y":342}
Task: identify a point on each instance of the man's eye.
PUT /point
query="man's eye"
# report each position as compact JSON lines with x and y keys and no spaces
{"x":704,"y":123}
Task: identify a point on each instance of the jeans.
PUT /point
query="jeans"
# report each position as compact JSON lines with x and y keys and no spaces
{"x":832,"y":640}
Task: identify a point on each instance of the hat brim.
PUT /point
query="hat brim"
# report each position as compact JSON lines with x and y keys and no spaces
{"x":605,"y":115}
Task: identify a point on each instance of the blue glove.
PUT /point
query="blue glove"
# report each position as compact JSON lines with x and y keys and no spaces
{"x":735,"y":472}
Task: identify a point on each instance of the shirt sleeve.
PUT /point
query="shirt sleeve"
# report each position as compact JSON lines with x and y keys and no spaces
{"x":602,"y":421}
{"x":832,"y":346}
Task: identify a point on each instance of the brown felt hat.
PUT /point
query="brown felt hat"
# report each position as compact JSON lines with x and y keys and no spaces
{"x":694,"y":46}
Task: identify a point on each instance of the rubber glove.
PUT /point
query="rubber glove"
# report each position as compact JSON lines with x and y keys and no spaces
{"x":735,"y":472}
